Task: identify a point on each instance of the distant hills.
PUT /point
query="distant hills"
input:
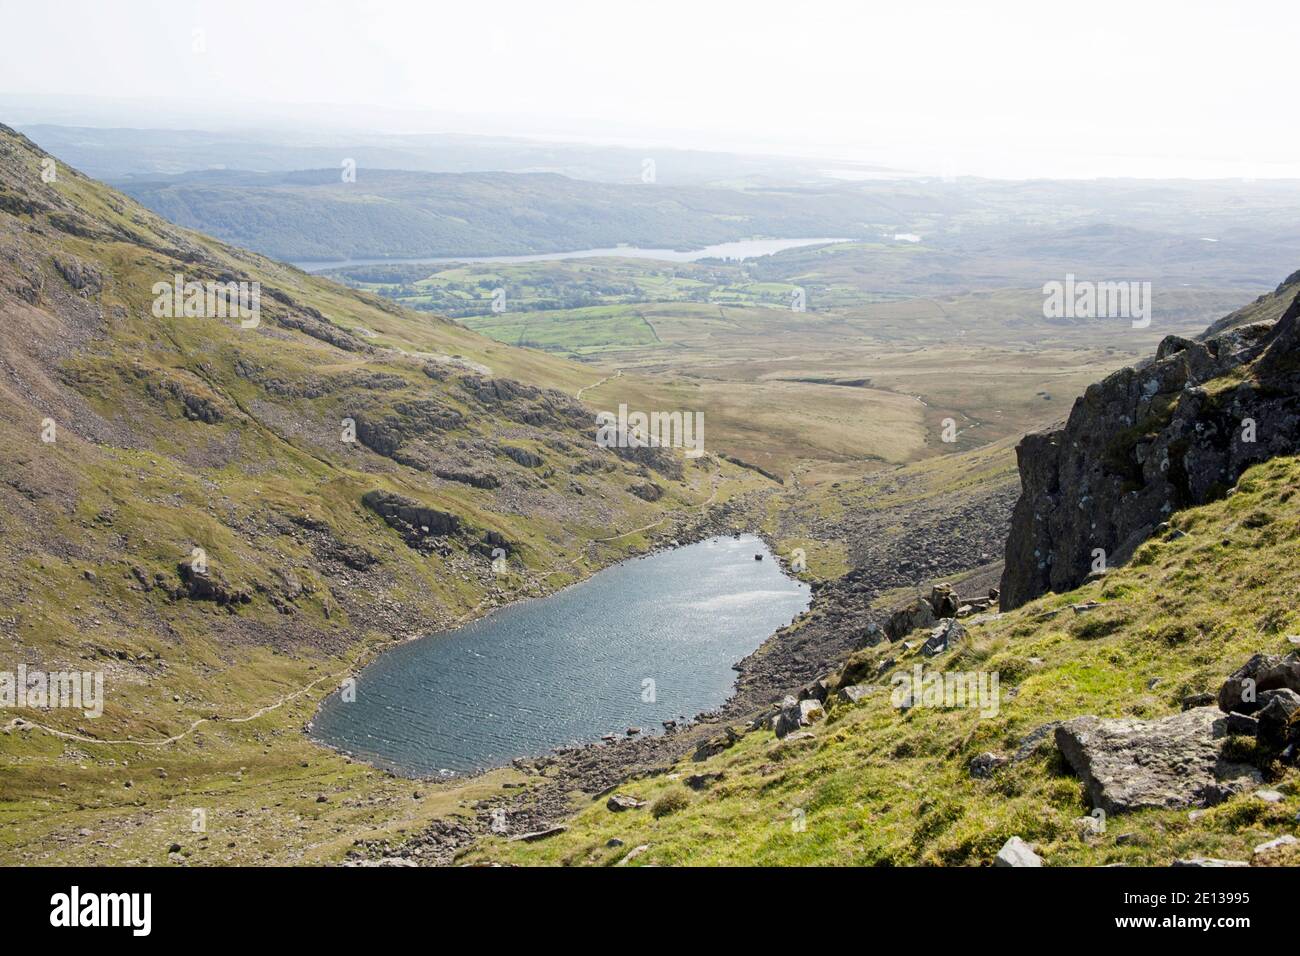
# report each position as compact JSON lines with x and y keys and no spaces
{"x":315,"y":214}
{"x":283,"y":194}
{"x":113,"y":153}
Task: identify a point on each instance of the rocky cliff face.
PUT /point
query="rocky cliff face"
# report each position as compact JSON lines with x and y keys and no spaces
{"x":1174,"y":432}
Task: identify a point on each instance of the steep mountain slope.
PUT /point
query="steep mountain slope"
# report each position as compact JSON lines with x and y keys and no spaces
{"x":1164,"y":763}
{"x":224,"y":516}
{"x":874,"y":785}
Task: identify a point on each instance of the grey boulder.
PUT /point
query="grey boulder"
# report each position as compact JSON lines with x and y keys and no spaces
{"x":855,"y":692}
{"x":1176,"y":761}
{"x":1277,"y":709}
{"x":619,"y":802}
{"x":943,"y":636}
{"x":1242,"y":691}
{"x":1016,"y":852}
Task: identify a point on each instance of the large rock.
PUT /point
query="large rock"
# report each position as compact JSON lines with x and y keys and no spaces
{"x":854,"y":693}
{"x":1242,"y":691}
{"x":618,"y":802}
{"x":405,"y":514}
{"x":1278,"y":710}
{"x":944,"y":635}
{"x":713,"y":746}
{"x":1177,"y":761}
{"x":647,"y":491}
{"x":540,"y":834}
{"x":818,"y":690}
{"x":795,"y":714}
{"x":810,"y":711}
{"x":1148,"y":441}
{"x":1016,"y":852}
{"x":872,"y":635}
{"x":208,"y":586}
{"x":944,"y":601}
{"x":905,"y":620}
{"x":522,"y":456}
{"x":1204,"y":862}
{"x":787,"y":718}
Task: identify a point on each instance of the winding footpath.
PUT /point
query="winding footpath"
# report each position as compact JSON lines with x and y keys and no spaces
{"x":618,"y":373}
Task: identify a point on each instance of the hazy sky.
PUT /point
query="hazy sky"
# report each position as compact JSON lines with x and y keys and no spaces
{"x":1138,"y":87}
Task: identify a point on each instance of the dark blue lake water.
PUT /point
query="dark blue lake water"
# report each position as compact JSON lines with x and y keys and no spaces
{"x":644,"y":641}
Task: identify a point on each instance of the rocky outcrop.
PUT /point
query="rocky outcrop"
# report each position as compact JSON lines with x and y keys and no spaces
{"x":941,"y":606}
{"x":525,"y":403}
{"x":943,"y":636}
{"x":81,"y":276}
{"x":208,"y":586}
{"x":1169,"y":434}
{"x":1277,"y":725}
{"x":647,"y":491}
{"x":197,"y":408}
{"x":387,"y":431}
{"x":326,"y":545}
{"x":1177,"y":761}
{"x":1262,"y":700}
{"x":417,"y":524}
{"x":795,"y":714}
{"x":469,"y":476}
{"x":321,"y":329}
{"x":1241,"y":692}
{"x":944,"y":600}
{"x":905,"y":620}
{"x":713,"y":746}
{"x":522,"y":456}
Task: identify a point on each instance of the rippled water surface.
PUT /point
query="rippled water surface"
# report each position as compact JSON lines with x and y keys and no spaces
{"x":570,"y":667}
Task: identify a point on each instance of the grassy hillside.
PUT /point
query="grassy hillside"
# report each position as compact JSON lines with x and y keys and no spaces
{"x":133,"y":443}
{"x":872,"y":785}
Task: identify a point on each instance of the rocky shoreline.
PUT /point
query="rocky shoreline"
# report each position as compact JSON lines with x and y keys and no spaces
{"x":841,"y":618}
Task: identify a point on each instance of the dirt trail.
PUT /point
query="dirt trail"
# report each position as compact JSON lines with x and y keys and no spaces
{"x":712,"y":496}
{"x":618,"y":373}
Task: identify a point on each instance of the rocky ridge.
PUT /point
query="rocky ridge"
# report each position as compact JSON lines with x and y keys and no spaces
{"x":1169,"y":434}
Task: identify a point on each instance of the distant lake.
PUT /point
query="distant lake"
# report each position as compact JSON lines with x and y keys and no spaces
{"x":744,"y":249}
{"x":647,"y":640}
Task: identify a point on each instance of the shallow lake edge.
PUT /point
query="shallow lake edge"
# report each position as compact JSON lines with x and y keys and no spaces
{"x":682,"y":541}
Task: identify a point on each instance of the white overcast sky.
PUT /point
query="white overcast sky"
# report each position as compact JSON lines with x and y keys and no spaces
{"x":1000,"y":87}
